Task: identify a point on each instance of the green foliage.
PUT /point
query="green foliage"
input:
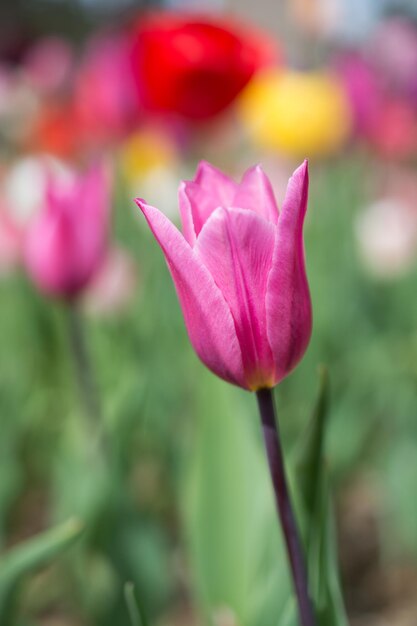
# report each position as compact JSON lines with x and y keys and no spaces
{"x":238,"y":558}
{"x":21,"y":560}
{"x":313,"y":495}
{"x":179,"y":439}
{"x":237,"y":555}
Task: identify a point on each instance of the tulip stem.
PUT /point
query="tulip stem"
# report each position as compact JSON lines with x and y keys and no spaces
{"x":283,"y":502}
{"x":83,"y":366}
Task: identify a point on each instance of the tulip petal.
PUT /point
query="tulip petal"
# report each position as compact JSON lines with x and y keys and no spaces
{"x":236,"y":246}
{"x":211,"y":179}
{"x":207,"y":316}
{"x":288,"y":305}
{"x":186,"y":213}
{"x":255,"y":192}
{"x":200,"y":197}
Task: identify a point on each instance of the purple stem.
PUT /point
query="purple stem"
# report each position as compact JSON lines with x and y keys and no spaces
{"x":283,"y":502}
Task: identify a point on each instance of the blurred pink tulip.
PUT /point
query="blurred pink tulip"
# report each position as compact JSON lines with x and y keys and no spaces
{"x":393,"y":132}
{"x":392,"y":50}
{"x":66,"y":243}
{"x":49,"y":64}
{"x":362,"y":88}
{"x":239,"y":273}
{"x":105,"y":99}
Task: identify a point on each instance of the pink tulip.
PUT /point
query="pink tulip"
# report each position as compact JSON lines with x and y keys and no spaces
{"x":105,"y":100}
{"x":239,"y":273}
{"x":49,"y":65}
{"x":66,"y":242}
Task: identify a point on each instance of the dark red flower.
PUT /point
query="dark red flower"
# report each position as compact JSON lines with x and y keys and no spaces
{"x":194,"y":66}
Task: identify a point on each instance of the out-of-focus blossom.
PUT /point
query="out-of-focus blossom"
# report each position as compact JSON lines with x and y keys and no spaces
{"x":22,"y":188}
{"x":296,"y":113}
{"x":105,"y":104}
{"x":99,"y":109}
{"x":194,"y":66}
{"x":362,"y":89}
{"x":48,"y":64}
{"x":381,"y":83}
{"x":386,"y":233}
{"x":146,"y":150}
{"x":10,"y":243}
{"x":393,"y":129}
{"x":113,"y":287}
{"x":56,"y":131}
{"x":392,"y":50}
{"x":239,"y":273}
{"x":66,"y":242}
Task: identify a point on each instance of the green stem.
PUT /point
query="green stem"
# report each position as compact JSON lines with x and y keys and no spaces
{"x":83,"y":367}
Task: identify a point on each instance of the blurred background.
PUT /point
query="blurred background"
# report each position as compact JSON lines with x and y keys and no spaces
{"x":121,"y":457}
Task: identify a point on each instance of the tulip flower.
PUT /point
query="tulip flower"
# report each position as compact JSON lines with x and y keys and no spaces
{"x":48,"y":65}
{"x":105,"y":101}
{"x":296,"y":113}
{"x":360,"y":83}
{"x":392,"y":50}
{"x":194,"y":66}
{"x":239,"y":273}
{"x":66,"y":242}
{"x":393,"y":131}
{"x":240,"y":276}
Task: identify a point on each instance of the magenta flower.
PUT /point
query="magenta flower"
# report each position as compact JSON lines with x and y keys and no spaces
{"x":239,"y":273}
{"x":66,"y":242}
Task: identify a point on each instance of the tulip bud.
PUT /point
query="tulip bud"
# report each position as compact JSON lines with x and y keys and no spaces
{"x":239,"y":272}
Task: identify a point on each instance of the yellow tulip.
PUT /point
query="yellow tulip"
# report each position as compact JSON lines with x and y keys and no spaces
{"x":299,"y":114}
{"x":145,"y":151}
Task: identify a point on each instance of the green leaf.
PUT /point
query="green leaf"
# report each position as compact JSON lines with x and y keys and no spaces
{"x":239,"y":563}
{"x":136,"y":614}
{"x":26,"y":557}
{"x":317,"y":524}
{"x":308,"y":462}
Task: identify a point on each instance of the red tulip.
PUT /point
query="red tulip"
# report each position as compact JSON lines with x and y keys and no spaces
{"x":194,"y":66}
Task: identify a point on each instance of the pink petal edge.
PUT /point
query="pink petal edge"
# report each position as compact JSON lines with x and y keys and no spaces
{"x":207,"y":316}
{"x":255,"y":193}
{"x":198,"y":198}
{"x":288,"y":304}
